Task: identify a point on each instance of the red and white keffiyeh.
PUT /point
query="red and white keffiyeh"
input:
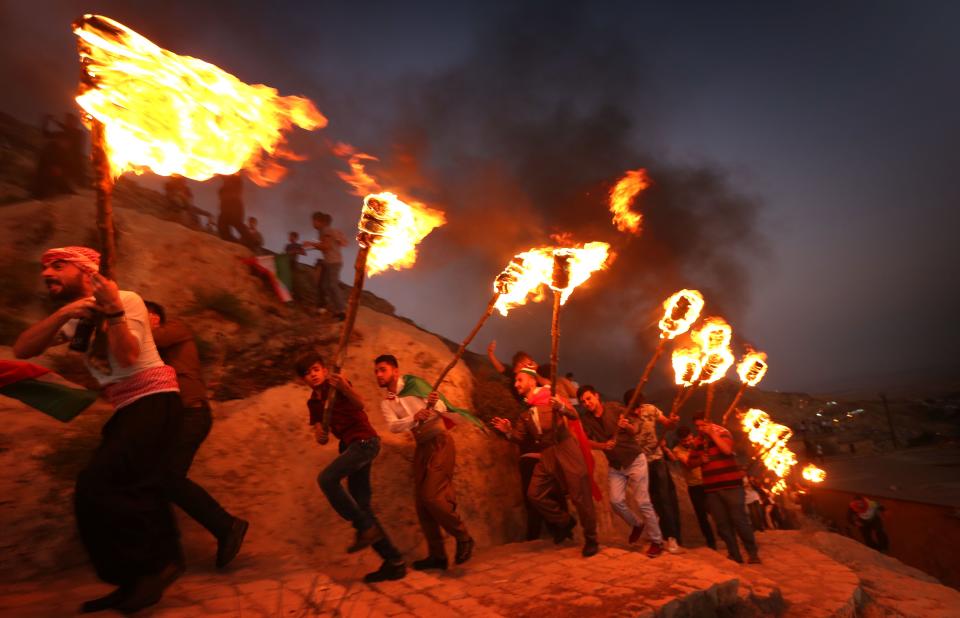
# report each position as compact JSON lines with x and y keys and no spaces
{"x":85,"y":258}
{"x":161,"y":379}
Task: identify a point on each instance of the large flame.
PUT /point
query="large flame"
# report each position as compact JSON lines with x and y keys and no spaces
{"x":714,"y":365}
{"x":393,"y":229}
{"x":535,"y":272}
{"x":174,"y":114}
{"x":680,"y":311}
{"x":622,"y":196}
{"x":752,"y":368}
{"x":686,"y":365}
{"x":814,"y":474}
{"x":771,"y":439}
{"x":779,"y":487}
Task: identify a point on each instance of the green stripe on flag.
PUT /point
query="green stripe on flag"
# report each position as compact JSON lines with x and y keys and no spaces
{"x":61,"y":402}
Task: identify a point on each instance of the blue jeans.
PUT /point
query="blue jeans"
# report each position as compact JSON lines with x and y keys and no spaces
{"x":353,"y":504}
{"x":635,"y":478}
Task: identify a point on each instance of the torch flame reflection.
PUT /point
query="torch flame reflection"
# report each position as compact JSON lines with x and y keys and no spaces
{"x":175,"y":114}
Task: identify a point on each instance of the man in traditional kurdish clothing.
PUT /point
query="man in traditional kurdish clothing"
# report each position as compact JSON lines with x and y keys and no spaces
{"x":412,"y":405}
{"x":723,"y":485}
{"x":359,"y":446}
{"x":175,"y":342}
{"x":122,"y":509}
{"x":561,"y":466}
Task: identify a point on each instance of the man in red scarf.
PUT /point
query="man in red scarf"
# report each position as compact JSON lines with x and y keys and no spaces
{"x":561,"y":467}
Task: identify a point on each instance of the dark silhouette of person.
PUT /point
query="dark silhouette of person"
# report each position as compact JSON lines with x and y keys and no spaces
{"x":231,"y":211}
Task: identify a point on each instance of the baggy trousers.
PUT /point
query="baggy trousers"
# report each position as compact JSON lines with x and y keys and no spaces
{"x":433,"y":464}
{"x":123,"y":513}
{"x":185,"y":493}
{"x":563,"y":470}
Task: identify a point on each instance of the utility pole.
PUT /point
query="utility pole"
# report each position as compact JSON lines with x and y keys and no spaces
{"x":893,"y":434}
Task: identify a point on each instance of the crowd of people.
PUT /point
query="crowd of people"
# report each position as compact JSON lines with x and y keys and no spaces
{"x":149,"y":370}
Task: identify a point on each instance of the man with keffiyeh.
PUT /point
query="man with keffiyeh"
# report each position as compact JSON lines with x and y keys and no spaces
{"x":562,"y":468}
{"x":411,"y":405}
{"x":123,"y":515}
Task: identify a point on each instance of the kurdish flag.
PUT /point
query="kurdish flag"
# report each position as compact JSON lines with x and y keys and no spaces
{"x":276,"y":271}
{"x":414,"y":386}
{"x":40,"y":388}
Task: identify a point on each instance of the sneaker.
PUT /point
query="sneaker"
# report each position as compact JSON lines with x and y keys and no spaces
{"x":590,"y":548}
{"x":754,"y":559}
{"x":388,"y":571}
{"x":655,"y":550}
{"x":430,"y":563}
{"x":673,"y":547}
{"x":365,"y":538}
{"x":464,"y":550}
{"x":565,"y":532}
{"x":635,"y":534}
{"x":229,"y":546}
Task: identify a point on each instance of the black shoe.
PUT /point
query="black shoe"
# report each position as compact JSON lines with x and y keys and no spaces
{"x":229,"y":546}
{"x":464,"y":550}
{"x":366,"y":538}
{"x":105,"y":602}
{"x":148,"y":590}
{"x":736,"y":558}
{"x":590,"y":548}
{"x":430,"y":563}
{"x":388,"y":571}
{"x":563,"y":533}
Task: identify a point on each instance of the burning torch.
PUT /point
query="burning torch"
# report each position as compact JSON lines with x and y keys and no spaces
{"x":686,"y":371}
{"x":680,"y":311}
{"x":502,"y":286}
{"x":752,"y":368}
{"x":151,"y":109}
{"x":388,"y":233}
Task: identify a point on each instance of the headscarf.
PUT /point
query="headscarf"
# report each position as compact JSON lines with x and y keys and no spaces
{"x":85,"y":258}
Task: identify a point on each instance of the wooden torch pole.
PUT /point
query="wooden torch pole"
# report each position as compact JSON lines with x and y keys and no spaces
{"x":103,"y":179}
{"x":646,"y":374}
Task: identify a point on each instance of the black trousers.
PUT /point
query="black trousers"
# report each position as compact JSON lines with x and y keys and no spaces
{"x":663,"y":494}
{"x":874,"y":535}
{"x":699,"y":501}
{"x":123,"y":514}
{"x":185,"y":493}
{"x":535,"y":521}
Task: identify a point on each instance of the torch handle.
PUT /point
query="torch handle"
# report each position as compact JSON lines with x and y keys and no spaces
{"x":646,"y":374}
{"x":554,"y":342}
{"x":733,"y":404}
{"x":709,"y":403}
{"x":676,"y":400}
{"x":687,"y":394}
{"x":353,"y":305}
{"x":103,"y":179}
{"x":463,"y":345}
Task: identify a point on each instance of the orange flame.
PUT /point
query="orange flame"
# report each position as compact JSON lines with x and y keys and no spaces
{"x":393,"y":229}
{"x":714,"y":334}
{"x":771,"y":438}
{"x":814,"y":474}
{"x":686,"y":365}
{"x":175,"y":114}
{"x":622,"y":196}
{"x":779,"y":487}
{"x":680,"y":311}
{"x":358,"y":178}
{"x":714,"y":365}
{"x":533,"y":274}
{"x":752,"y":368}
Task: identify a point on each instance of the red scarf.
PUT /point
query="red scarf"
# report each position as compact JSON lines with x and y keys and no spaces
{"x":541,"y":397}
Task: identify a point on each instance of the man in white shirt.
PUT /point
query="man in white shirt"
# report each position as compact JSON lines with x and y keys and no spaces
{"x":433,"y":462}
{"x":122,"y":512}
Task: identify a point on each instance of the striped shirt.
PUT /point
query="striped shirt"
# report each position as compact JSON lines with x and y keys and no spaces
{"x":720,"y":471}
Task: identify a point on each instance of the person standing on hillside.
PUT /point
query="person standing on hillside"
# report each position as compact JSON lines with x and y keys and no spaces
{"x":122,"y":508}
{"x":175,"y":342}
{"x":231,"y":211}
{"x":864,"y":514}
{"x":359,"y":446}
{"x":407,"y":409}
{"x":330,"y":242}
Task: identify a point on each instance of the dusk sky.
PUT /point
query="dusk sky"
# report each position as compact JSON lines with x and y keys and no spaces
{"x":803,"y":156}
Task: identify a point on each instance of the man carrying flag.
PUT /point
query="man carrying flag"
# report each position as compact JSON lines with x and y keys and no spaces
{"x":124,"y":517}
{"x":411,"y":405}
